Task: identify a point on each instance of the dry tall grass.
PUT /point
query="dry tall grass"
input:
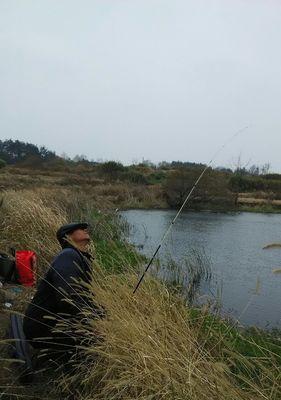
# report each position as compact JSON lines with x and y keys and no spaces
{"x":28,"y":223}
{"x":150,"y":348}
{"x":29,"y":219}
{"x":149,"y":345}
{"x":118,"y":194}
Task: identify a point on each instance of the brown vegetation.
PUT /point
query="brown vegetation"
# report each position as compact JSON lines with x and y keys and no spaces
{"x":143,"y":185}
{"x":104,"y":193}
{"x":146,"y":185}
{"x":151,"y":345}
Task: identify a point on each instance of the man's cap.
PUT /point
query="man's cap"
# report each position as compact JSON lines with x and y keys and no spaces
{"x":69,"y":228}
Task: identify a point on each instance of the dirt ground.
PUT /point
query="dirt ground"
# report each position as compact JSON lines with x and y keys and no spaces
{"x":14,"y":299}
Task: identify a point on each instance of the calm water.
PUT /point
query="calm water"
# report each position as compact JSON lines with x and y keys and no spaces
{"x":233,"y":243}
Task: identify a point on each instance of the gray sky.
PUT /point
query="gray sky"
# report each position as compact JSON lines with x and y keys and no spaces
{"x":159,"y":79}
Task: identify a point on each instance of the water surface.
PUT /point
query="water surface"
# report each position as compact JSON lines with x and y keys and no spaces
{"x":241,"y":269}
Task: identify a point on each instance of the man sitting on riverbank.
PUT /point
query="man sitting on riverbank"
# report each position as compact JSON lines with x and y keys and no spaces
{"x":59,"y":298}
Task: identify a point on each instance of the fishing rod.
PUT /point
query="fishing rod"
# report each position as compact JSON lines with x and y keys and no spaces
{"x":184,"y":204}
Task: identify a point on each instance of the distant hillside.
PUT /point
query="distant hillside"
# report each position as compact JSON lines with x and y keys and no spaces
{"x":141,"y":185}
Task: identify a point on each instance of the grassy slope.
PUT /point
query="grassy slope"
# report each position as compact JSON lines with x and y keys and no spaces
{"x":141,"y":333}
{"x":105,"y":193}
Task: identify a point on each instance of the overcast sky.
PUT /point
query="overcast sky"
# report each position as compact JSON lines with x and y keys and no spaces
{"x":154,"y":79}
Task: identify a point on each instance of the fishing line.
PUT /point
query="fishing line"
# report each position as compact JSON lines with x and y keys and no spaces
{"x":166,"y":233}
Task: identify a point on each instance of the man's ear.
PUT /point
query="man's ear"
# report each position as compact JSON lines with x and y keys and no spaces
{"x":68,"y":239}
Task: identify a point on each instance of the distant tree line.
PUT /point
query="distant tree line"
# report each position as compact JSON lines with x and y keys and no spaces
{"x":253,"y":170}
{"x":15,"y":151}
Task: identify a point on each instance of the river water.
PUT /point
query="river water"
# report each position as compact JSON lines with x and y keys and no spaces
{"x":242,"y":272}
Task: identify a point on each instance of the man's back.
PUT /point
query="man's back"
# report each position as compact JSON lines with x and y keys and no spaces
{"x":58,"y":296}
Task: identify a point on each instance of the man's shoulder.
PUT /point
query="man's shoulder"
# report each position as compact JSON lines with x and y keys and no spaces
{"x":66,"y":256}
{"x":69,"y":251}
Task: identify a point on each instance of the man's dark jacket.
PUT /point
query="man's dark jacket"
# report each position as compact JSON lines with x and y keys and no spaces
{"x":58,"y":296}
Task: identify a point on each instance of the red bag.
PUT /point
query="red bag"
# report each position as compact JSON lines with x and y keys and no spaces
{"x":26,"y":266}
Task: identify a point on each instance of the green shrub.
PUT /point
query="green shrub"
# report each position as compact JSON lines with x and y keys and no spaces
{"x":211,"y":191}
{"x":157,"y":177}
{"x":239,"y":183}
{"x":111,"y":169}
{"x":273,"y":177}
{"x":134,"y":177}
{"x":2,"y":163}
